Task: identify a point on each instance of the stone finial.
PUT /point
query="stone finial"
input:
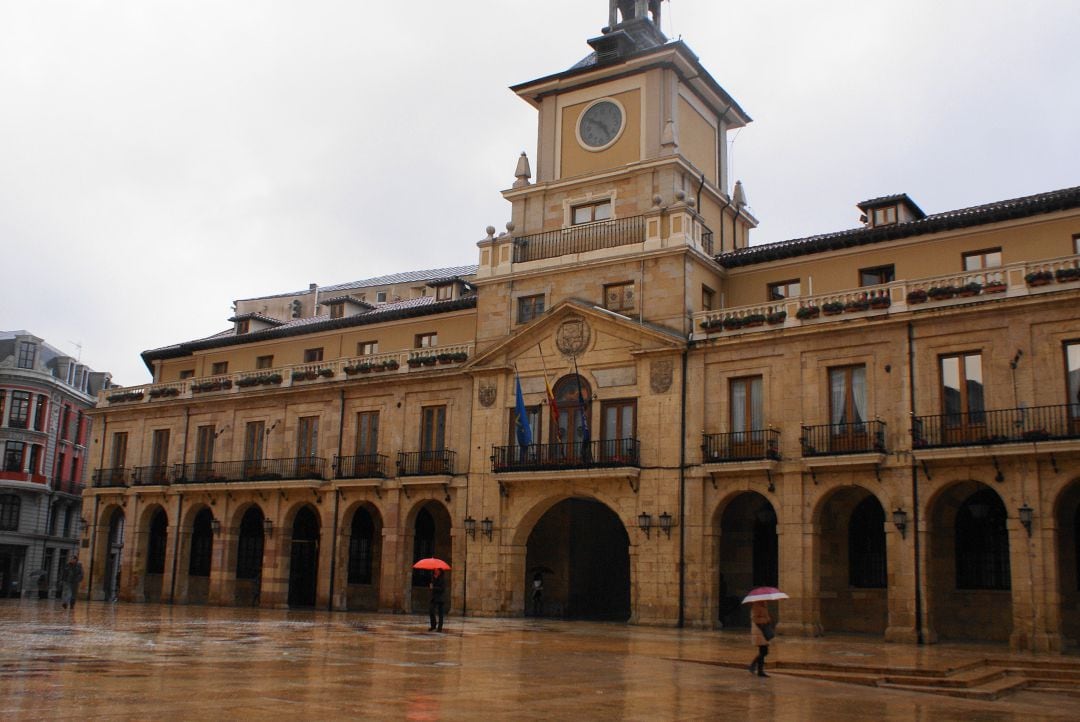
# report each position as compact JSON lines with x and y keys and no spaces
{"x":509,"y":226}
{"x":680,"y":195}
{"x":670,"y":138}
{"x":523,"y":172}
{"x":658,"y":200}
{"x":739,"y":195}
{"x":490,"y":232}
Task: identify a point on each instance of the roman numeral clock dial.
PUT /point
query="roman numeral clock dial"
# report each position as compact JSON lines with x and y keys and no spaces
{"x":600,"y":125}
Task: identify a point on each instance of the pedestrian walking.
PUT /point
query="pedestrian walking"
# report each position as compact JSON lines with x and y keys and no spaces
{"x":760,"y":634}
{"x":70,"y":578}
{"x":537,"y":593}
{"x":437,"y":606}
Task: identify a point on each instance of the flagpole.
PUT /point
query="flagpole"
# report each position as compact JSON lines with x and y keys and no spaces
{"x":552,"y":410}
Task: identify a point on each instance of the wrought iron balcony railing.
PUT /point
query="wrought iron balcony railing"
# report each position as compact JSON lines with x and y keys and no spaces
{"x":363,"y":466}
{"x":425,"y":463}
{"x":151,"y":475}
{"x":250,"y":470}
{"x":833,"y":439}
{"x":1002,"y":426}
{"x":566,"y":455}
{"x":580,"y":239}
{"x":116,"y":476}
{"x":741,"y":446}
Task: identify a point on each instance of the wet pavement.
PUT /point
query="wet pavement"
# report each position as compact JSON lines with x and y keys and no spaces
{"x":125,"y":661}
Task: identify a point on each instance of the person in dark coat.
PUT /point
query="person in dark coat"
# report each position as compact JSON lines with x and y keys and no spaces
{"x":437,"y":607}
{"x":70,"y":578}
{"x":759,"y":617}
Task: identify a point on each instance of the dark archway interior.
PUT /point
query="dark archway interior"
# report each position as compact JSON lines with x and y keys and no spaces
{"x":581,"y":550}
{"x":157,"y":544}
{"x":304,"y":559}
{"x":851,"y":564}
{"x":1068,"y":545}
{"x":365,"y":553}
{"x":431,"y":538}
{"x":249,"y":557}
{"x":748,"y":554}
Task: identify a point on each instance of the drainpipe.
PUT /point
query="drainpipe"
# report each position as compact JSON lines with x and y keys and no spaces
{"x":682,"y":496}
{"x":914,"y":487}
{"x":176,"y":547}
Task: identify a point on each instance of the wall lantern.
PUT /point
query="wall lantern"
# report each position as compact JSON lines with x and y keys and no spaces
{"x":666,"y":522}
{"x":470,"y":527}
{"x":487,"y":526}
{"x":268,"y":525}
{"x":215,"y":526}
{"x":644,"y":522}
{"x":1026,"y":516}
{"x":899,"y":519}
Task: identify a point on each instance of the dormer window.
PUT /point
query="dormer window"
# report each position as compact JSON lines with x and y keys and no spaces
{"x":380,"y":297}
{"x":27,"y":353}
{"x":444,"y":293}
{"x":890,"y":210}
{"x":337,"y":310}
{"x":885,"y":216}
{"x":243,"y":327}
{"x":591,"y":212}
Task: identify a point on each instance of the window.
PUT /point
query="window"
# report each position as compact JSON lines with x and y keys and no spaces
{"x":1072,"y":382}
{"x":243,"y":327}
{"x":54,"y":514}
{"x":312,"y":355}
{"x":380,"y":297}
{"x":61,"y":467}
{"x":27,"y":352}
{"x":591,"y":212}
{"x":427,"y":340}
{"x":119,"y":449}
{"x":13,"y":456}
{"x":367,"y":348}
{"x":962,"y":390}
{"x":65,"y":423}
{"x":573,"y":396}
{"x":254,"y":442}
{"x":307,"y":437}
{"x":532,"y":415}
{"x":847,"y":396}
{"x":187,"y":374}
{"x":1076,"y":244}
{"x":708,"y":298}
{"x":219,"y":368}
{"x":39,"y":412}
{"x":361,"y":546}
{"x":619,"y":296}
{"x":877,"y":275}
{"x":9,"y":512}
{"x":444,"y":292}
{"x":979,"y":260}
{"x":204,"y":444}
{"x":367,"y":433}
{"x":433,"y":428}
{"x":20,"y":409}
{"x":159,"y":455}
{"x":884,"y":216}
{"x":35,"y":458}
{"x":530,"y":308}
{"x":337,"y":310}
{"x":264,"y":362}
{"x":3,"y":400}
{"x":782,"y":289}
{"x":619,"y":419}
{"x":747,"y":404}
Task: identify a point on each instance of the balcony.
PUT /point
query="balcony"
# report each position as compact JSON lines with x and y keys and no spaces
{"x":935,"y":292}
{"x":363,"y":466}
{"x":114,"y":477}
{"x":1002,"y":426}
{"x":215,"y":472}
{"x":580,"y":239}
{"x":864,"y":437}
{"x":439,"y":462}
{"x":756,"y":445}
{"x":602,"y":454}
{"x":151,"y":475}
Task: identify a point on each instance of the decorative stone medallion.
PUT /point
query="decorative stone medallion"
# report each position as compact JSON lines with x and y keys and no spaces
{"x":488,"y":394}
{"x":573,"y":336}
{"x":660,"y":373}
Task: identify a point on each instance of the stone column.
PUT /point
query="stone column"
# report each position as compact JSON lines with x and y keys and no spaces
{"x":900,"y":561}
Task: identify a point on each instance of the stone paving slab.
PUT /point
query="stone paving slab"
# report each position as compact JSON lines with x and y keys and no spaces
{"x":123,"y":661}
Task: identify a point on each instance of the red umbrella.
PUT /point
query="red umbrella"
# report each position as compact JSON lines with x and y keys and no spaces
{"x":431,"y":563}
{"x":764,"y":594}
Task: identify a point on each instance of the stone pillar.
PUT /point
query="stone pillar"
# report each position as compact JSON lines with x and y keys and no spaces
{"x":223,"y":568}
{"x":900,"y":558}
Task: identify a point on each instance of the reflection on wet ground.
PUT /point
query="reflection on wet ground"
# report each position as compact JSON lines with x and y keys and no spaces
{"x":108,"y":661}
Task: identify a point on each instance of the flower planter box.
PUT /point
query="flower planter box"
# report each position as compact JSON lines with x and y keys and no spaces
{"x":774,"y":318}
{"x":879,"y":302}
{"x":994,"y":288}
{"x":917,"y":296}
{"x":1065,"y":275}
{"x":807,"y":312}
{"x":1039,"y":278}
{"x":832,"y":308}
{"x":942,"y":293}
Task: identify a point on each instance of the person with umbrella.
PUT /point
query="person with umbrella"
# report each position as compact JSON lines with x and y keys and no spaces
{"x":761,"y":627}
{"x":437,"y":585}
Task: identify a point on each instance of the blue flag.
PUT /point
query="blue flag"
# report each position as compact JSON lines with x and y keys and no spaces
{"x":521,"y":426}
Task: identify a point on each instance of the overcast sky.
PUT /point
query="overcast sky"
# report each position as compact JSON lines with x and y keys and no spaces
{"x":159,"y":160}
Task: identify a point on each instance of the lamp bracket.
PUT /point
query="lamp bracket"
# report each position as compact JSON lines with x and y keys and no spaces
{"x":446,"y":492}
{"x":926,"y":470}
{"x":405,"y":491}
{"x":768,"y":475}
{"x":998,"y":477}
{"x":630,"y":481}
{"x":877,"y":472}
{"x":813,"y":475}
{"x":1053,"y":464}
{"x":503,"y":491}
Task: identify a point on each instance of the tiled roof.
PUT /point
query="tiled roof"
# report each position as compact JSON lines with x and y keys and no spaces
{"x":1060,"y":200}
{"x":256,"y":317}
{"x":345,"y":299}
{"x":405,"y":277}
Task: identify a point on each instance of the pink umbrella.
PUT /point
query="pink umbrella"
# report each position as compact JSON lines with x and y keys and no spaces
{"x":764,"y":594}
{"x":431,"y":563}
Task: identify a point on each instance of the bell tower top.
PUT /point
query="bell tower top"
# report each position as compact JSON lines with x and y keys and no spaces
{"x":620,"y":11}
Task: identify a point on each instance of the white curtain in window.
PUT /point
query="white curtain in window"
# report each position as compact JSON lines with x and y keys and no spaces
{"x":837,"y":386}
{"x":757,"y":406}
{"x":858,"y":391}
{"x":738,"y":406}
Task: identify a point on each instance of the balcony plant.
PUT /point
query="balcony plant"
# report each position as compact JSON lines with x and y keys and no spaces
{"x":304,"y":375}
{"x":733,"y":323}
{"x":754,"y":319}
{"x":126,"y":396}
{"x":1039,"y":278}
{"x":881,"y":301}
{"x":201,"y":386}
{"x":1064,"y":275}
{"x":429,"y":360}
{"x":974,"y":288}
{"x":710,"y":324}
{"x":994,"y":287}
{"x":807,"y":312}
{"x":414,"y":362}
{"x":326,"y":373}
{"x":940,"y":293}
{"x":389,"y":365}
{"x":776,"y":317}
{"x":857,"y":304}
{"x":165,"y":391}
{"x":832,"y":308}
{"x":919,"y":295}
{"x":248,"y":381}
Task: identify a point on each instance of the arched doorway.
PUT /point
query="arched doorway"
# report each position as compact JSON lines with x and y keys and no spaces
{"x":581,"y":552}
{"x":747,"y":553}
{"x":851,"y":562}
{"x":969,"y":575}
{"x":1068,"y":552}
{"x":304,"y":558}
{"x":200,"y":557}
{"x":431,"y":538}
{"x":365,"y":554}
{"x":113,"y":552}
{"x":157,"y":544}
{"x":249,"y":557}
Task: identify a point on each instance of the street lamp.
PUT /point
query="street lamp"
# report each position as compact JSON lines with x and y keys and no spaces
{"x":1027,"y":514}
{"x":487,"y":527}
{"x":470,"y":527}
{"x":268,"y":526}
{"x":644,"y":522}
{"x":666,"y":522}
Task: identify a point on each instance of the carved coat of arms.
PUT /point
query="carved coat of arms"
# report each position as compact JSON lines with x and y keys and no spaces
{"x":660,"y":373}
{"x":488,"y":393}
{"x":573,"y":336}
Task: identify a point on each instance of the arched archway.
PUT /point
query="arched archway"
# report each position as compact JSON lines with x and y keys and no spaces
{"x":365,"y":559}
{"x":851,"y":562}
{"x":581,"y":551}
{"x":431,"y":538}
{"x":200,"y":557}
{"x":249,"y":557}
{"x":304,"y":558}
{"x":157,"y":545}
{"x":970,"y":582}
{"x":113,"y":552}
{"x":747,"y":553}
{"x":1067,"y":515}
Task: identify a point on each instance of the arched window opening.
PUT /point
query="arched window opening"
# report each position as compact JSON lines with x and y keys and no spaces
{"x":202,"y":545}
{"x":157,"y":544}
{"x":866,"y":545}
{"x":249,"y":547}
{"x":982,"y":543}
{"x":361,"y":543}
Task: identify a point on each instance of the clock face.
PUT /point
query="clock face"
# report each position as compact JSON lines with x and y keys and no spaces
{"x":600,"y":125}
